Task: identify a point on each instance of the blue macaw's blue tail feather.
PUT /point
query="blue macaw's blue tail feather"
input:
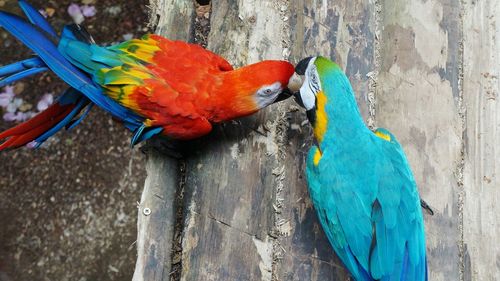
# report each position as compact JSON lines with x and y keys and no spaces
{"x":350,"y":261}
{"x":404,"y":267}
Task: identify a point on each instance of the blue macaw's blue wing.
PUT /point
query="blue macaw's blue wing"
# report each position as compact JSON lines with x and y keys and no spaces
{"x":370,"y":210}
{"x":362,"y":188}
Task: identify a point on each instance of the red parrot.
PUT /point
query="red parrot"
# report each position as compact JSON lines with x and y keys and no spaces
{"x":153,"y":85}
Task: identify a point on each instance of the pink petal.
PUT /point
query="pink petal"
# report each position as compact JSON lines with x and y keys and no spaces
{"x":88,"y":11}
{"x":44,"y":102}
{"x":9,"y":116}
{"x":43,"y":13}
{"x":4,"y":101}
{"x":7,"y":96}
{"x":9,"y":90}
{"x":11,"y":107}
{"x":128,"y":36}
{"x":20,"y":116}
{"x":76,"y":13}
{"x":32,"y":144}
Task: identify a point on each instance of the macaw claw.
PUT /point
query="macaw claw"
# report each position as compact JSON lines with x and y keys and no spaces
{"x":164,"y":146}
{"x":426,"y":207}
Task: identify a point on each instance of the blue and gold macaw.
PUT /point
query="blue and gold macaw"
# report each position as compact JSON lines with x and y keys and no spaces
{"x":360,"y":182}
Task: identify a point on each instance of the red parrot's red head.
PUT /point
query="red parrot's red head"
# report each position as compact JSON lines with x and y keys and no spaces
{"x":253,"y":87}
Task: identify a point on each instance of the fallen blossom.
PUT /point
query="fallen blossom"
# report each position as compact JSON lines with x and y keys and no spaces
{"x":76,"y":13}
{"x":14,"y":105}
{"x":32,"y":144}
{"x":19,"y":116}
{"x":88,"y":11}
{"x":45,"y":102}
{"x":128,"y":36}
{"x":43,"y":13}
{"x":9,"y":116}
{"x":7,"y":96}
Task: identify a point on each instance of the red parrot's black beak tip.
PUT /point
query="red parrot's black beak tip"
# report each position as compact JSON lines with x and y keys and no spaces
{"x":285,"y":94}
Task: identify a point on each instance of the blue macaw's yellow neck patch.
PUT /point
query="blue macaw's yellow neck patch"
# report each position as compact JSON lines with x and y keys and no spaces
{"x":317,"y":157}
{"x":383,"y":136}
{"x":321,"y":116}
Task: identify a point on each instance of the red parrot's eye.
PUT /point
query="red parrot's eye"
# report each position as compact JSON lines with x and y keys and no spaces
{"x":268,"y":91}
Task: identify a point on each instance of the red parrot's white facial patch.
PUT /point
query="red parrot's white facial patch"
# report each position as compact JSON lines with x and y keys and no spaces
{"x":267,"y":94}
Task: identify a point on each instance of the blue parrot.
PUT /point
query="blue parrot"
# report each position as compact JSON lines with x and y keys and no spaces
{"x":360,"y":182}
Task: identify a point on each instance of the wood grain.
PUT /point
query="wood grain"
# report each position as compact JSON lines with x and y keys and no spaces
{"x":482,"y":168}
{"x":417,"y":100}
{"x":247,"y":211}
{"x":156,"y":230}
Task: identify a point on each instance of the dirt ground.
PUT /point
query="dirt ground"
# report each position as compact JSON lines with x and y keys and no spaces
{"x":68,"y":209}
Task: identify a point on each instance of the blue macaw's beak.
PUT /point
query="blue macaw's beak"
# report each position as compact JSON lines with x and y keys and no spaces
{"x":294,"y":84}
{"x":300,"y":70}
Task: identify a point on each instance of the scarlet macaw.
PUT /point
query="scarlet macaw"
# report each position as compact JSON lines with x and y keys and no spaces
{"x":153,"y":85}
{"x":360,"y":182}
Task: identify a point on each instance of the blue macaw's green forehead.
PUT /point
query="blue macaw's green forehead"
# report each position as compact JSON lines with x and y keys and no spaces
{"x":325,"y":66}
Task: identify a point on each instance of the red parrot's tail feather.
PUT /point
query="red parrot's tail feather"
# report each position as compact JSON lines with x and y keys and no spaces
{"x":39,"y":119}
{"x":36,"y":126}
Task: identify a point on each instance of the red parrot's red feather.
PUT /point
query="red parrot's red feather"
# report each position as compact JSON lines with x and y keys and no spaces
{"x":37,"y":120}
{"x":36,"y":126}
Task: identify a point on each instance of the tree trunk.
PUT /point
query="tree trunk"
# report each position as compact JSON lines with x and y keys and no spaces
{"x":416,"y":66}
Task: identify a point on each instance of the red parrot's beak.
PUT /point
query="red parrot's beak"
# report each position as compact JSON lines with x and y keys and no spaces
{"x":294,"y":85}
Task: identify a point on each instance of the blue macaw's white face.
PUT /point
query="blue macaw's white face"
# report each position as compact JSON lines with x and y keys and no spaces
{"x":311,"y":86}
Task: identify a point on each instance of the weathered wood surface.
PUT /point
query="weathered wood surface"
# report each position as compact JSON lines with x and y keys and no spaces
{"x":247,"y":213}
{"x":157,"y":208}
{"x":418,"y":100}
{"x":481,"y":225}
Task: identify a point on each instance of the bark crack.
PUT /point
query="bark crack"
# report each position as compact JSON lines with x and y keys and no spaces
{"x":373,"y":76}
{"x":459,"y":172}
{"x":176,"y":255}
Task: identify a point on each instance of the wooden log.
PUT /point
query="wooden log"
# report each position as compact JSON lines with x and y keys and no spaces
{"x":157,"y":208}
{"x":481,"y":229}
{"x":417,"y":97}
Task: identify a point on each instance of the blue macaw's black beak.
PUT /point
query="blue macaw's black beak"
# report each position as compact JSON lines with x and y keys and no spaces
{"x":300,"y":69}
{"x":311,"y":115}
